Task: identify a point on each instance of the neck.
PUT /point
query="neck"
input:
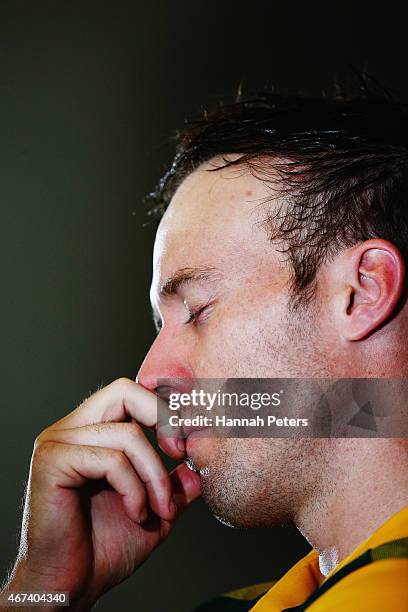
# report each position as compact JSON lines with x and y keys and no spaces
{"x":364,"y":484}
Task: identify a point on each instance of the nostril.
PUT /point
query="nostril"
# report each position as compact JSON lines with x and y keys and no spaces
{"x":166,"y":386}
{"x":164,"y":392}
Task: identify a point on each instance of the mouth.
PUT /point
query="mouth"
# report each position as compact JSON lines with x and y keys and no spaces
{"x":193,"y":435}
{"x":194,"y":425}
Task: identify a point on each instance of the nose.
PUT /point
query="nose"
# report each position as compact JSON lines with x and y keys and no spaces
{"x":165,"y":369}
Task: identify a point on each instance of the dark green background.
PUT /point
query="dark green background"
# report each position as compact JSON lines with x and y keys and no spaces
{"x":89,"y":94}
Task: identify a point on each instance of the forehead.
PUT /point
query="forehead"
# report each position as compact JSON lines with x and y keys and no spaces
{"x":213,"y":219}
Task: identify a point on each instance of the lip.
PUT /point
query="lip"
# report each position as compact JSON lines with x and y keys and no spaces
{"x":189,"y":428}
{"x":195,"y":434}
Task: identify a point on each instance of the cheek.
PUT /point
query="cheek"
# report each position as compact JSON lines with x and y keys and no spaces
{"x":239,"y":343}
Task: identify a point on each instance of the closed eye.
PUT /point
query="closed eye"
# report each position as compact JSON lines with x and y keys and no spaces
{"x":196,"y":316}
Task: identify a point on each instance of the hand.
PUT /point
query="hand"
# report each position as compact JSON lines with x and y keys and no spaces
{"x":99,"y":498}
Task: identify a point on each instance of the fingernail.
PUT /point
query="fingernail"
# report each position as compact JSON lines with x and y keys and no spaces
{"x":143,"y":516}
{"x":180,"y":445}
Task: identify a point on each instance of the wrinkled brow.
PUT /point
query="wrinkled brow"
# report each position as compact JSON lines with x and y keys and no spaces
{"x":184,"y":276}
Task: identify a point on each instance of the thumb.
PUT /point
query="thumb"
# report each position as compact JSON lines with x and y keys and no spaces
{"x":186,"y":486}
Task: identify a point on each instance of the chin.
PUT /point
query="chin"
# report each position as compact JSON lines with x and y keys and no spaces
{"x":237,"y":484}
{"x":227,"y":501}
{"x":239,"y":500}
{"x":225,"y":510}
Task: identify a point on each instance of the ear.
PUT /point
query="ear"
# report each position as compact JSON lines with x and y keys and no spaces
{"x":373,"y":274}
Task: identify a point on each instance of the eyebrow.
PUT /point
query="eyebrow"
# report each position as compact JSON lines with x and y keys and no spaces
{"x":185,"y":276}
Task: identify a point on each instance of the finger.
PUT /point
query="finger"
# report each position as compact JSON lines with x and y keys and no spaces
{"x":169,"y":436}
{"x":130,"y":439}
{"x":121,"y":399}
{"x":186,"y":486}
{"x":70,"y":466}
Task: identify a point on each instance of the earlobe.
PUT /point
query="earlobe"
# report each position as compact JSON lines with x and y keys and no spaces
{"x":376,"y":279}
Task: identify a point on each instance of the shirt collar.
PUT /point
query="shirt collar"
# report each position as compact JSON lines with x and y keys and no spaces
{"x":305,"y":576}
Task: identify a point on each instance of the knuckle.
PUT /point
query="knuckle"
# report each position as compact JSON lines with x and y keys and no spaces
{"x":123,"y":382}
{"x":46,"y":435}
{"x":42,"y":448}
{"x":40,"y":439}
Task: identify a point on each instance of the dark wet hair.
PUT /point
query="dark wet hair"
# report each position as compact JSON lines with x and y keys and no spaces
{"x":340,"y":162}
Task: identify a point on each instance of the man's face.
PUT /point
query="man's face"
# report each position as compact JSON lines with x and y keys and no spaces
{"x":234,"y":290}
